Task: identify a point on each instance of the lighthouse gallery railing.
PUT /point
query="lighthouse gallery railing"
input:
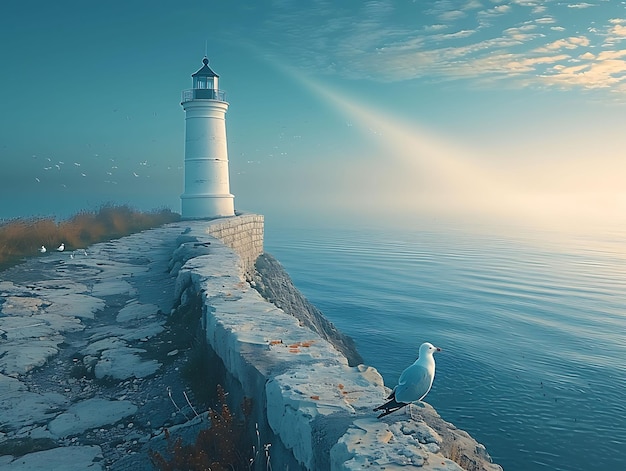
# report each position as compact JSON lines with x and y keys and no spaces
{"x":202,"y":94}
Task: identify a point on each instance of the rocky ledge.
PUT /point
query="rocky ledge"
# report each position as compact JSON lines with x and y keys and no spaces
{"x":97,"y":360}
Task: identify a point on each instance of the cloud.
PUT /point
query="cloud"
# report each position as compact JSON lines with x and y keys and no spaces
{"x":485,"y":17}
{"x":446,"y":10}
{"x":564,"y":43}
{"x":618,"y":31}
{"x":615,"y":33}
{"x":605,"y":70}
{"x":452,"y":15}
{"x":522,"y":33}
{"x":545,"y":20}
{"x":529,"y":64}
{"x":435,"y":27}
{"x":580,"y":5}
{"x":377,"y":7}
{"x":472,"y":5}
{"x":448,"y":36}
{"x":528,"y":3}
{"x":611,"y":55}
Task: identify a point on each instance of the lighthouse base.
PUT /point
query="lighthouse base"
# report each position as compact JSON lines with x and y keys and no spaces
{"x":207,"y":206}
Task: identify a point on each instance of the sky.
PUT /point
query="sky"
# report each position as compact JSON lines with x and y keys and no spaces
{"x":478,"y":110}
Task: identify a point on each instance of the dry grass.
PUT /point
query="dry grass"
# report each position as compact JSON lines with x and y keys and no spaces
{"x":217,"y":448}
{"x":21,"y":238}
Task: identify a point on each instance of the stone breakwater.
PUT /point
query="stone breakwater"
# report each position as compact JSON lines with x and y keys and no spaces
{"x":90,"y":365}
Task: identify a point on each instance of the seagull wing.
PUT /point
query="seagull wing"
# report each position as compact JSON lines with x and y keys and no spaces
{"x":414,"y":383}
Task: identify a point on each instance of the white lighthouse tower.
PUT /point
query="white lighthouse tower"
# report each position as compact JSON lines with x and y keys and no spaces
{"x":207,"y":187}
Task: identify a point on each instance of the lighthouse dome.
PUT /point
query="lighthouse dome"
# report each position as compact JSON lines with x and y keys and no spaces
{"x":205,"y":77}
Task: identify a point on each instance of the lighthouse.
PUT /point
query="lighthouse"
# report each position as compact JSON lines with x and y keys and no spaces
{"x":207,"y":187}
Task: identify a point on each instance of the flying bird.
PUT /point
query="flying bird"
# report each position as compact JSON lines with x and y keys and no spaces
{"x":61,"y":247}
{"x":43,"y":249}
{"x":414,"y":382}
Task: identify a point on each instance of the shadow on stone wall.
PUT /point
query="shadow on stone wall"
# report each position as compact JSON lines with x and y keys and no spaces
{"x":274,"y":284}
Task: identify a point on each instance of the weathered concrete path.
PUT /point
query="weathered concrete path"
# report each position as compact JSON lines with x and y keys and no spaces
{"x":81,"y":335}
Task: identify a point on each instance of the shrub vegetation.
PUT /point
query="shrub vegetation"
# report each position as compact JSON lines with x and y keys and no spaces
{"x":21,"y":238}
{"x":216,"y":448}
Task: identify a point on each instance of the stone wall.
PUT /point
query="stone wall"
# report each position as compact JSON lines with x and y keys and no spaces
{"x":243,"y":234}
{"x":311,"y":406}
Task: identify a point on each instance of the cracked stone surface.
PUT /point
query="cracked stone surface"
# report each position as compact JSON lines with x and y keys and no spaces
{"x":85,"y":378}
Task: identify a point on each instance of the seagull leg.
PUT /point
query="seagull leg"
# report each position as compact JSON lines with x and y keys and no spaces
{"x":413,"y":409}
{"x":411,"y":412}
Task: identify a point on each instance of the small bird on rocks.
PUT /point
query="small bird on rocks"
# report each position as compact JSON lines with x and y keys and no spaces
{"x":43,"y":249}
{"x":414,"y":382}
{"x":61,"y":247}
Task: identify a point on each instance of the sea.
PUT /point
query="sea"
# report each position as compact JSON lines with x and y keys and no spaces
{"x":532,"y":327}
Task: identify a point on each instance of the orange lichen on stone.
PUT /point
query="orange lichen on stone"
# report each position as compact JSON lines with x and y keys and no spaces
{"x":340,"y":386}
{"x":315,"y":398}
{"x":294,"y":347}
{"x":305,"y":344}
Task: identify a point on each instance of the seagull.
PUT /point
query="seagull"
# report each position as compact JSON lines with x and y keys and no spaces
{"x":61,"y":247}
{"x":43,"y":249}
{"x":414,"y":382}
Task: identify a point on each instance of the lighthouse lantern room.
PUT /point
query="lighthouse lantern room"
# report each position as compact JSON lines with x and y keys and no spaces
{"x":207,"y":187}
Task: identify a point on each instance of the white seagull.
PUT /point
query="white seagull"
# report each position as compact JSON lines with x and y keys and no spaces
{"x":43,"y":249}
{"x":414,"y":382}
{"x":61,"y":247}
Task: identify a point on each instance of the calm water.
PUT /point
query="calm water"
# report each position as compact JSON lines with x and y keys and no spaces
{"x":533,"y":331}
